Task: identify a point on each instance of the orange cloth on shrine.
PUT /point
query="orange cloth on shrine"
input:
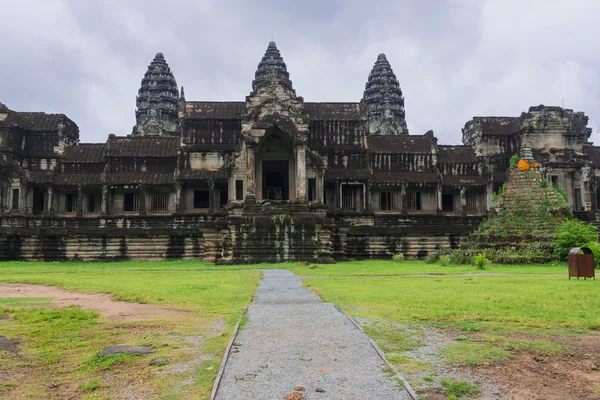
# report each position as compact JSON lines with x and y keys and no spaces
{"x":525,"y":165}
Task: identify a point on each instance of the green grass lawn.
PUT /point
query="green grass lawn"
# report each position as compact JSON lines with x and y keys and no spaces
{"x":60,"y":346}
{"x":490,"y":318}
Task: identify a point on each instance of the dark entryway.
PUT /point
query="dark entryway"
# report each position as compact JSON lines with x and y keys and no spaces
{"x":39,"y":199}
{"x":275,"y":180}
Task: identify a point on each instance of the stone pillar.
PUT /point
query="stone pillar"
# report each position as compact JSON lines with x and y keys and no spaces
{"x":23,"y":199}
{"x":463,"y":201}
{"x":142,"y":199}
{"x":250,"y":170}
{"x":320,"y":195}
{"x":178,"y":198}
{"x":404,"y":199}
{"x":489,"y":189}
{"x":50,"y":201}
{"x":439,"y":198}
{"x":79,"y":201}
{"x":367,"y":197}
{"x":29,"y":200}
{"x":301,"y":173}
{"x":211,"y":196}
{"x":104,"y":202}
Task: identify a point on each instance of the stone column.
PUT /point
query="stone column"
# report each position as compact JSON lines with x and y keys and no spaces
{"x":178,"y":198}
{"x":104,"y":202}
{"x":320,"y":192}
{"x":489,"y":196}
{"x":211,"y":196}
{"x":29,"y":200}
{"x":367,"y":197}
{"x":404,"y":199}
{"x":463,"y":201}
{"x":250,"y":170}
{"x":50,"y":201}
{"x":301,"y":173}
{"x":439,"y":198}
{"x":79,"y":201}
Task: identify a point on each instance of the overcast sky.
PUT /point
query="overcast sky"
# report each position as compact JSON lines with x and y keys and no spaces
{"x":455,"y":59}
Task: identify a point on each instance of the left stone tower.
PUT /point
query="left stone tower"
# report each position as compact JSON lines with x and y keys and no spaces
{"x":157,"y":101}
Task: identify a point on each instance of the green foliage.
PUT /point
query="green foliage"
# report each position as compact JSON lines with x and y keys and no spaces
{"x":432,"y":258}
{"x":544,"y":183}
{"x":459,"y":257}
{"x":458,"y":389}
{"x":481,"y":261}
{"x":572,"y":233}
{"x":514,"y":160}
{"x":398,"y":257}
{"x":595,"y":247}
{"x":445,"y":260}
{"x":561,"y":190}
{"x":500,"y":191}
{"x":90,"y":386}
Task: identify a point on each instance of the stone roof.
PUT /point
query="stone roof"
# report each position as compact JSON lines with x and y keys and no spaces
{"x":157,"y":100}
{"x":347,"y":173}
{"x":333,"y":111}
{"x":395,"y":177}
{"x":215,"y":110}
{"x":129,"y":178}
{"x":271,"y":65}
{"x":203,"y":174}
{"x":593,"y":152}
{"x":74,"y":179}
{"x":399,"y":144}
{"x":85,"y":153}
{"x":456,"y":154}
{"x":3,"y":108}
{"x":497,"y":126}
{"x":464,"y":180}
{"x":142,"y":147}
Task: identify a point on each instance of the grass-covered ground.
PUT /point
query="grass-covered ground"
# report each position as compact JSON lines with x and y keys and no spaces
{"x":59,"y":347}
{"x":494,"y":314}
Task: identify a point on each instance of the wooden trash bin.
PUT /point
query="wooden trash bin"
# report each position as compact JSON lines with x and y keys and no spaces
{"x":581,"y":263}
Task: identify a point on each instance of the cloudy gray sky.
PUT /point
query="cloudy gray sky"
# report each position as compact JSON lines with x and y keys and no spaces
{"x":454,"y":58}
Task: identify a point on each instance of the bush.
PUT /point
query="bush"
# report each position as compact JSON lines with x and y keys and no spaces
{"x":481,"y":261}
{"x":432,"y":258}
{"x":445,"y":260}
{"x":398,"y":257}
{"x":572,"y":233}
{"x":544,"y":183}
{"x":514,"y":160}
{"x":595,"y":247}
{"x":458,"y":257}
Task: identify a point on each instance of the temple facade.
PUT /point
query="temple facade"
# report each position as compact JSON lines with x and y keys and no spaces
{"x":272,"y":178}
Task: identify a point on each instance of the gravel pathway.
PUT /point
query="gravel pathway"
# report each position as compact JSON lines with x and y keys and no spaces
{"x":293,"y":339}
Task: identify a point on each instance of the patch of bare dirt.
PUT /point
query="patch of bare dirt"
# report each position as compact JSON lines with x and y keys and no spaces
{"x":9,"y":345}
{"x":104,"y":303}
{"x":574,"y":375}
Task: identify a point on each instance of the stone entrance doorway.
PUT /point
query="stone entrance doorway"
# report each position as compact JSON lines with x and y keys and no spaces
{"x":275,"y":180}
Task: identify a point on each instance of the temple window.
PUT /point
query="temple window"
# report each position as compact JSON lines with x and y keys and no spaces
{"x":160,"y":202}
{"x":15,"y":199}
{"x":239,"y":190}
{"x":414,"y":201}
{"x":448,"y":202}
{"x":93,"y":203}
{"x":131,"y":201}
{"x":71,"y":202}
{"x":39,"y":200}
{"x":201,"y":199}
{"x":223,"y":194}
{"x":471,"y":201}
{"x":386,"y":201}
{"x":352,"y":197}
{"x":312,"y":189}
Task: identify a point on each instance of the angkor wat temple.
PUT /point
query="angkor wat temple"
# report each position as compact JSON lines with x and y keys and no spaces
{"x":271,"y":178}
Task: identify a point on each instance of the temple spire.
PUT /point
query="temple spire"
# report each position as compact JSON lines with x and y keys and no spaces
{"x":270,"y":67}
{"x":384,"y":101}
{"x":157,"y":101}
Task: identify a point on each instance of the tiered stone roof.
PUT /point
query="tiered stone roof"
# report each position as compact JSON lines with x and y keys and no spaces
{"x":157,"y":101}
{"x":271,"y":65}
{"x":384,"y":101}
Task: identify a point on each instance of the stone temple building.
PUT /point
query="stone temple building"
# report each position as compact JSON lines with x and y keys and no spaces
{"x":270,"y":178}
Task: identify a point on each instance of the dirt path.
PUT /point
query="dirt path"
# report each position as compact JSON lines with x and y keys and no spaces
{"x":104,"y":303}
{"x":294,"y":346}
